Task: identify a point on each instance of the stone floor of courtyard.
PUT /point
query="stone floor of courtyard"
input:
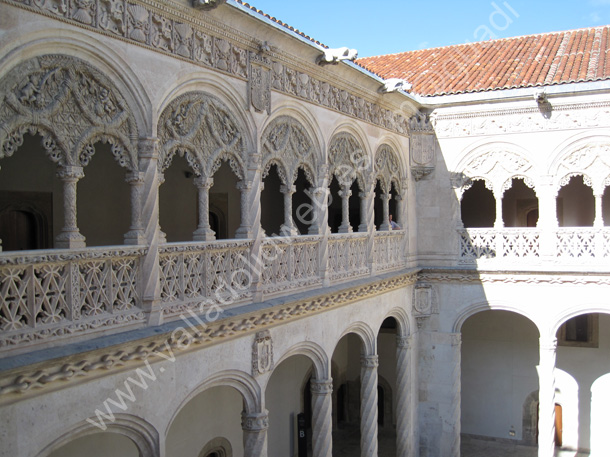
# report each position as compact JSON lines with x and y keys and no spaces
{"x":346,"y":443}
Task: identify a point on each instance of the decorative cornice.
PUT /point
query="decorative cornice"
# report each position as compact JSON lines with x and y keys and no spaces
{"x":517,"y":120}
{"x":37,"y":378}
{"x":502,"y":277}
{"x":179,"y":31}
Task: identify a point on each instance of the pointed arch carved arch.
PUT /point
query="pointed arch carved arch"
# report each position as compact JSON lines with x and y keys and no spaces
{"x":348,"y":160}
{"x":388,"y":168}
{"x":139,"y":431}
{"x":73,"y":102}
{"x":286,"y":143}
{"x":201,"y":128}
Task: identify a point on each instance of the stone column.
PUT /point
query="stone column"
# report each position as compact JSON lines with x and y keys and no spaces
{"x":204,"y":232}
{"x":599,"y":214}
{"x":345,"y":193}
{"x":245,"y":227}
{"x":319,"y":203}
{"x":288,"y":228}
{"x":365,"y":203}
{"x":547,"y":218}
{"x":254,"y":426}
{"x":136,"y":230}
{"x":321,"y":409}
{"x":398,"y":217}
{"x":70,"y":237}
{"x":546,"y":397}
{"x":456,"y":392}
{"x":385,"y":224}
{"x":403,"y":397}
{"x":148,"y":150}
{"x":499,"y":223}
{"x":368,"y":405}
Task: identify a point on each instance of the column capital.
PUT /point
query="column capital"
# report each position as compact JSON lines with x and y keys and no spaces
{"x":254,"y":422}
{"x":403,"y":342}
{"x":345,"y":192}
{"x":244,"y":185}
{"x":135,"y":177}
{"x":548,"y":344}
{"x":68,"y":173}
{"x":369,"y":361}
{"x":203,"y":182}
{"x":288,"y":189}
{"x":322,"y":387}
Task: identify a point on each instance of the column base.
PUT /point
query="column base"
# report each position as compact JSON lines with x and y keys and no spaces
{"x":135,"y":237}
{"x":70,"y":240}
{"x":286,"y":230}
{"x":385,"y":227}
{"x":344,"y":229}
{"x":244,"y":233}
{"x":204,"y":235}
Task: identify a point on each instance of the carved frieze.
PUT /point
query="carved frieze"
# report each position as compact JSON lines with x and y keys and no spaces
{"x":388,"y":169}
{"x":144,"y":23}
{"x":348,"y":161}
{"x":569,"y":116}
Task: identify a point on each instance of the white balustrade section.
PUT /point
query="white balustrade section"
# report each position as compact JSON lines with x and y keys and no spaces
{"x":50,"y":295}
{"x":197,"y":275}
{"x":388,"y":250}
{"x":572,"y":246}
{"x":347,"y":256}
{"x":290,"y":263}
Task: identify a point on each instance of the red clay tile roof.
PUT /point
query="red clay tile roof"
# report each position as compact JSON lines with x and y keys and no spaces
{"x":283,"y":24}
{"x":534,"y":60}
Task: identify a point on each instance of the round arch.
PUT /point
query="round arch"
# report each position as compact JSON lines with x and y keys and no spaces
{"x":366,"y":334}
{"x":138,"y":430}
{"x":575,"y":311}
{"x":475,"y":308}
{"x":244,"y":383}
{"x":314,"y":352}
{"x":402,"y":318}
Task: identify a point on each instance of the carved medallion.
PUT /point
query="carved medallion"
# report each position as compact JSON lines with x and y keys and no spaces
{"x":262,"y":353}
{"x":259,"y":83}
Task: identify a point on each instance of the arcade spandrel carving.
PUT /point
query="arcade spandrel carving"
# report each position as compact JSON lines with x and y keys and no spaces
{"x":71,"y":105}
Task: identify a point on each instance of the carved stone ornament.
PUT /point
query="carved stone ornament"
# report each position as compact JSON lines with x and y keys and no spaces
{"x":259,"y":82}
{"x":71,"y":105}
{"x":591,"y":161}
{"x":348,"y":161}
{"x":424,"y":300}
{"x":262,"y":353}
{"x":203,"y":130}
{"x":388,"y":169}
{"x":207,"y":5}
{"x":287,"y":144}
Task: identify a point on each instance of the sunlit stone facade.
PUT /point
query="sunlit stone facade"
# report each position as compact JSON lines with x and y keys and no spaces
{"x":196,"y":246}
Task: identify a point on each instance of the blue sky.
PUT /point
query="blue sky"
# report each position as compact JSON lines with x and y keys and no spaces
{"x":375,"y":27}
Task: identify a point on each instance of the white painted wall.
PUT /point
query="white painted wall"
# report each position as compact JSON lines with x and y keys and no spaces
{"x":499,"y":358}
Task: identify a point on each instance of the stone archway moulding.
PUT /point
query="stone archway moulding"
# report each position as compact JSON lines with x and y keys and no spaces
{"x":139,"y":431}
{"x":475,"y":308}
{"x":72,"y":105}
{"x":313,"y":352}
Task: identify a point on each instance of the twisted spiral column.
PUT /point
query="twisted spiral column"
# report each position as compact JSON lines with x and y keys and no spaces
{"x":321,"y":406}
{"x":148,"y":150}
{"x":456,"y":392}
{"x":546,"y":416}
{"x":368,"y":405}
{"x":403,"y":397}
{"x":254,"y":426}
{"x":70,"y":237}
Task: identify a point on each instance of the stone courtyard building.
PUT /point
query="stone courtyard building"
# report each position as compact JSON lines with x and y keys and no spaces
{"x":198,"y":259}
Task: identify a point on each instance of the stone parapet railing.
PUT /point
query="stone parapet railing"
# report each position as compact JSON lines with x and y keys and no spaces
{"x":55,"y":296}
{"x":46,"y":295}
{"x":564,"y":247}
